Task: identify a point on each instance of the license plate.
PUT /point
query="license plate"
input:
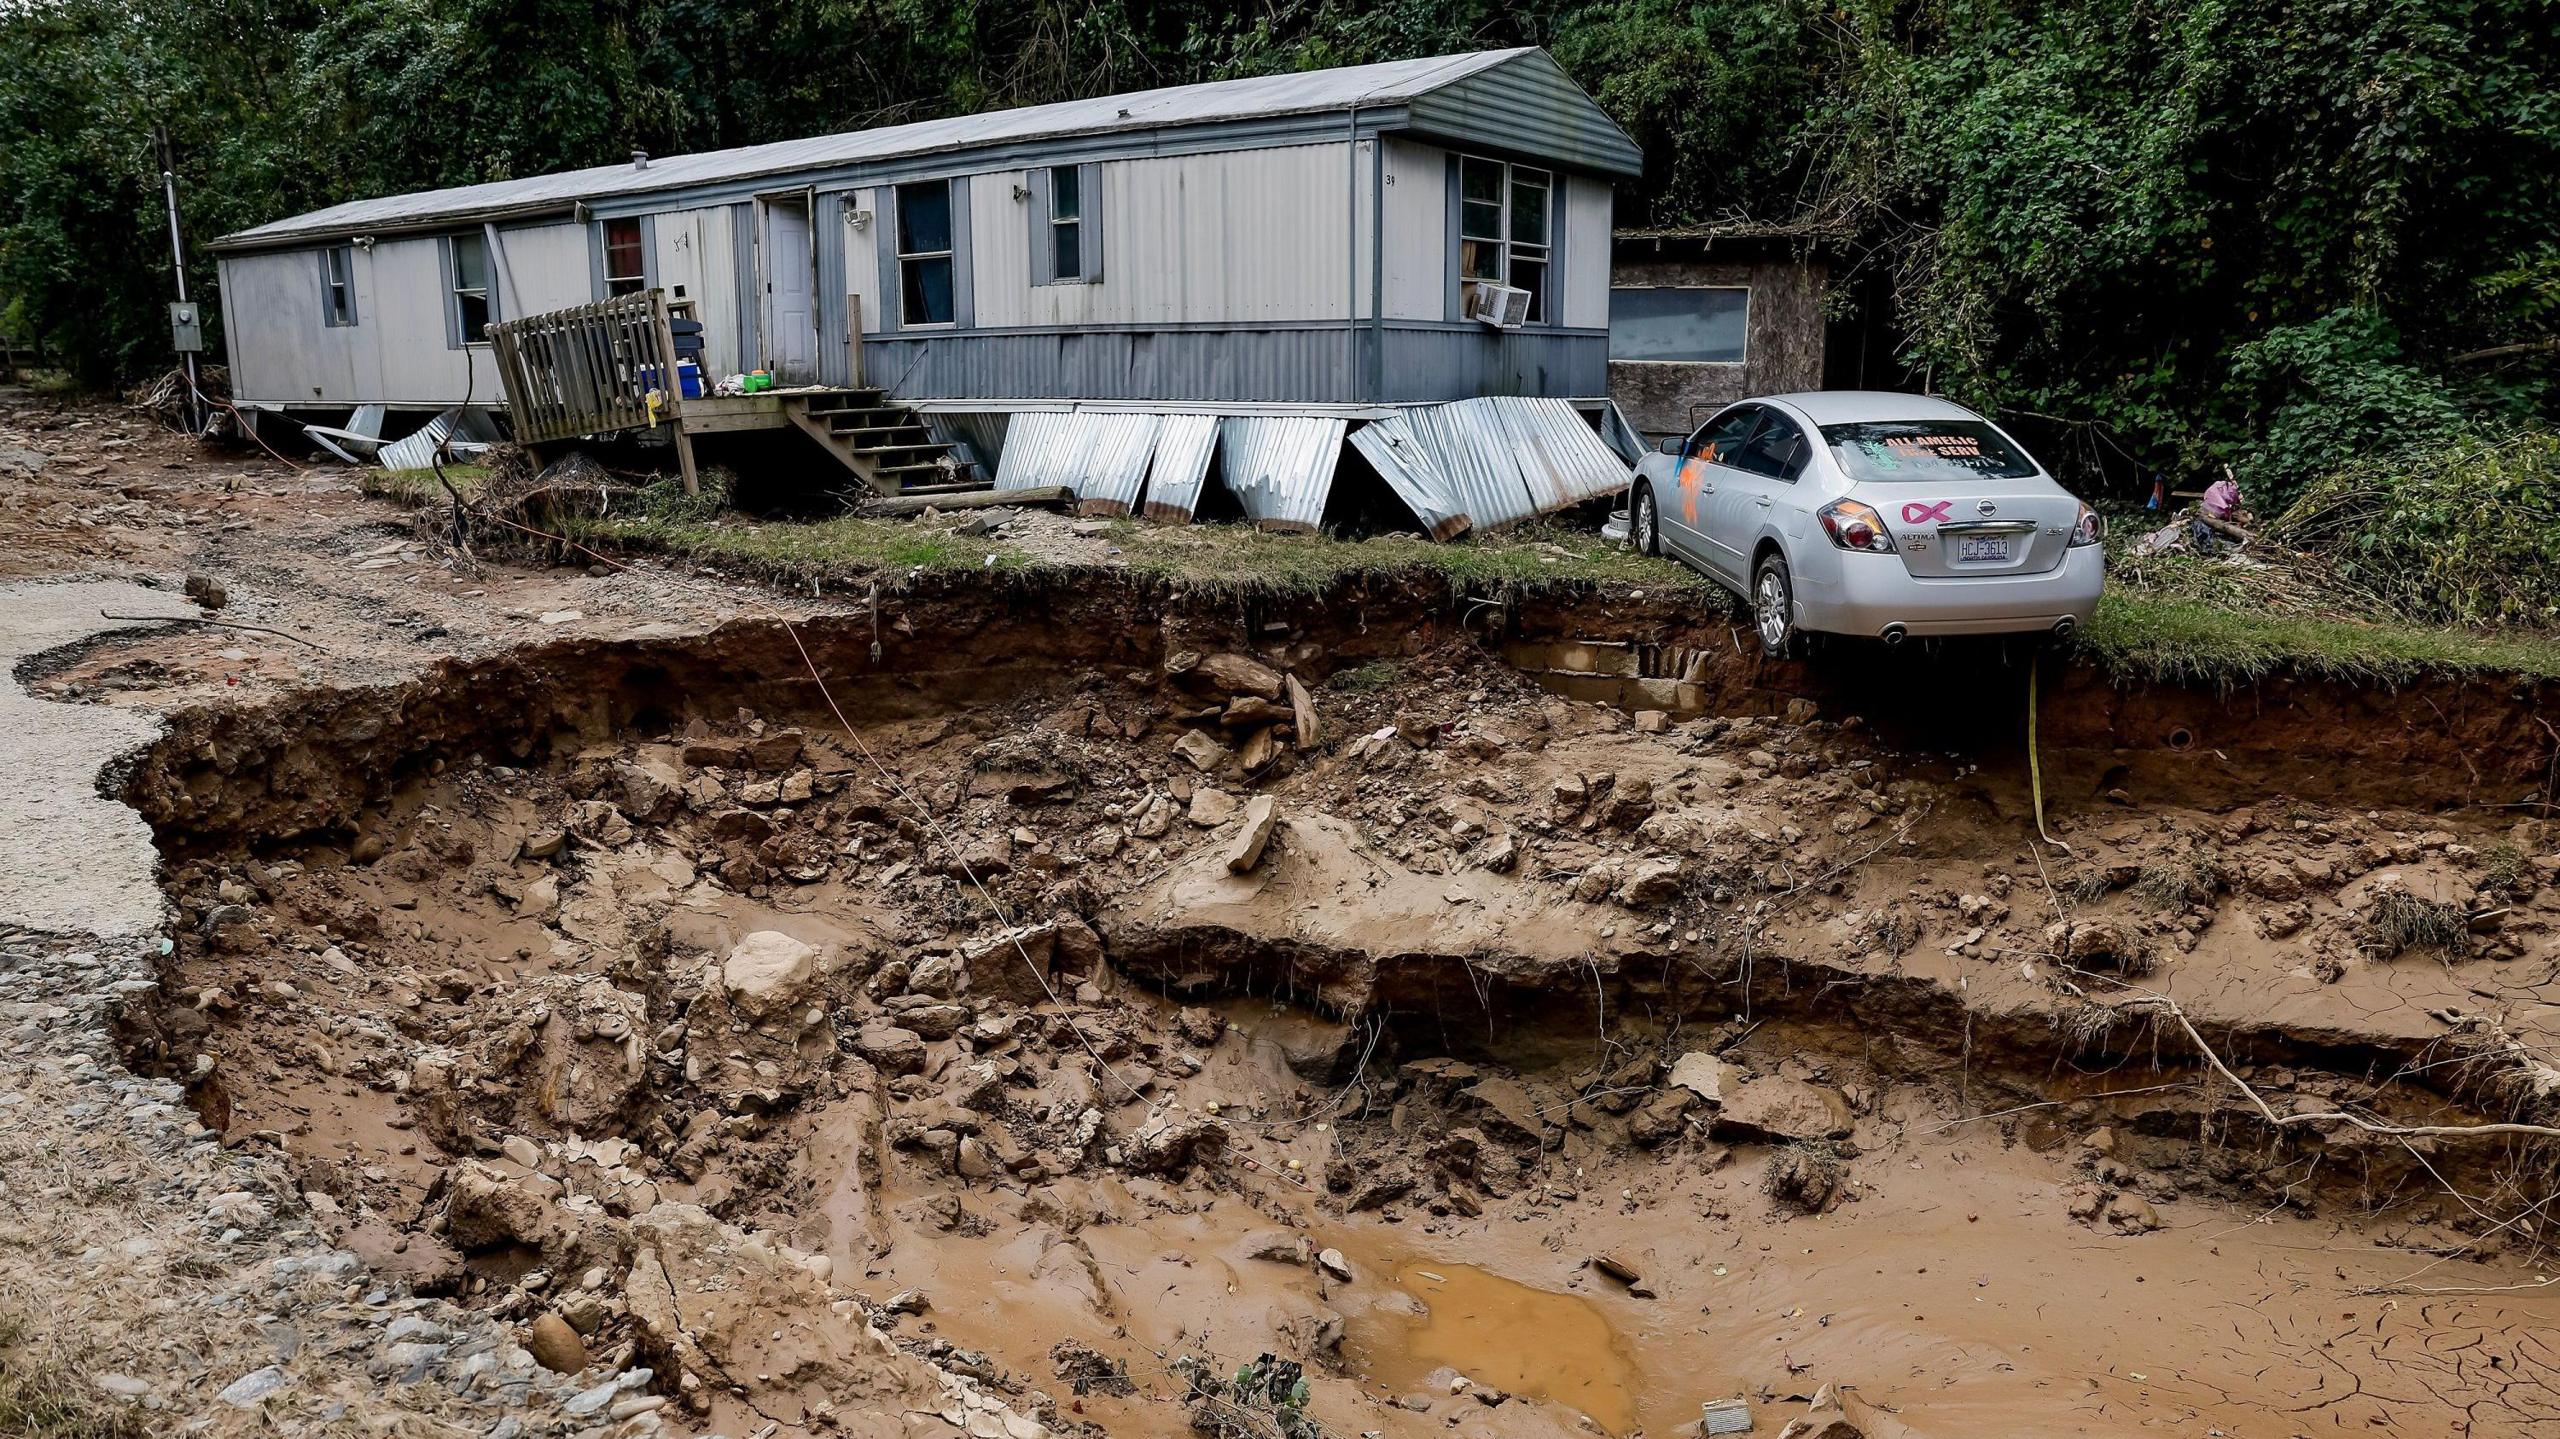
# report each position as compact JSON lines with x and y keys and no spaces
{"x":1982,"y":549}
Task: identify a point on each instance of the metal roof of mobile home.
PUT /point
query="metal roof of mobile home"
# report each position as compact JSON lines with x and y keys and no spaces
{"x":1516,"y":100}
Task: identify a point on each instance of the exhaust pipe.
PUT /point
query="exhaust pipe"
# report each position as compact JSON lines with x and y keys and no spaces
{"x":2065,"y":627}
{"x":1894,"y":634}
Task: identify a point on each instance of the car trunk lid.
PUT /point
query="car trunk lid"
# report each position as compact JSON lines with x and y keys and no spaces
{"x":1984,"y":526}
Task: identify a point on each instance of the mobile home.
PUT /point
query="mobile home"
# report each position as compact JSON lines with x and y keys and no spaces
{"x":1339,"y":245}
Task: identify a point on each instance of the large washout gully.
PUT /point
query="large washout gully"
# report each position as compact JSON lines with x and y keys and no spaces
{"x":1525,"y":1018}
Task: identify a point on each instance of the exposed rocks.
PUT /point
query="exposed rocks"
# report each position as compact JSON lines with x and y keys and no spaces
{"x":1246,"y":846}
{"x":1776,"y":1108}
{"x":1231,"y":674}
{"x":768,"y":973}
{"x":555,"y":1345}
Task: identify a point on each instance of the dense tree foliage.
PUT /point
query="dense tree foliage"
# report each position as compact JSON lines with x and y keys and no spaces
{"x":2189,"y":231}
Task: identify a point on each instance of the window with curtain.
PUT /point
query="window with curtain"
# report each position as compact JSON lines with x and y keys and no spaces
{"x":626,"y":263}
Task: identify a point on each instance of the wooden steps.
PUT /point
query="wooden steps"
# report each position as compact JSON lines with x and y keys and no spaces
{"x":886,"y":445}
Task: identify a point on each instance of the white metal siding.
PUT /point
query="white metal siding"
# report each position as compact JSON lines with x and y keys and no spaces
{"x":697,"y":266}
{"x":1240,"y":237}
{"x":862,"y":244}
{"x":1586,"y":253}
{"x":1417,"y":239}
{"x":548,"y":267}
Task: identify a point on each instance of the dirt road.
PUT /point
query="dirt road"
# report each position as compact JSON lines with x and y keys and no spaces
{"x":1132,"y":988}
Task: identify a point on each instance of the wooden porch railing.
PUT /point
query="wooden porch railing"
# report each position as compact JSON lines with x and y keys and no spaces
{"x":590,"y":370}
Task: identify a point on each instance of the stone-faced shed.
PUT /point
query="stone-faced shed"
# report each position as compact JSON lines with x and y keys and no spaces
{"x":1702,"y":316}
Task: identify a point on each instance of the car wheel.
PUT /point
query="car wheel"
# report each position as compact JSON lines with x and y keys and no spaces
{"x":1644,"y":522}
{"x":1773,"y":607}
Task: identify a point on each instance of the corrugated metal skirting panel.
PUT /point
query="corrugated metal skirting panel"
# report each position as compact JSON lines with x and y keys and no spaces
{"x":1398,"y":454}
{"x":1183,"y":446}
{"x":1280,"y":467}
{"x":1115,"y":466}
{"x":1477,"y":464}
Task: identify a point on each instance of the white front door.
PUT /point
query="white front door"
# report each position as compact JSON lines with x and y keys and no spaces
{"x":790,"y":292}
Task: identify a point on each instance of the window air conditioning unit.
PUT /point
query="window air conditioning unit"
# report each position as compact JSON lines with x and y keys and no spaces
{"x":1504,"y":307}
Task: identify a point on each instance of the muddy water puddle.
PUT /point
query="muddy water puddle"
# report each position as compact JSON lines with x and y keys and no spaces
{"x":1532,"y":1342}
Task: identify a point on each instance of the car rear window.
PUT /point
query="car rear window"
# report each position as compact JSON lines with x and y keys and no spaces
{"x":1896,"y":451}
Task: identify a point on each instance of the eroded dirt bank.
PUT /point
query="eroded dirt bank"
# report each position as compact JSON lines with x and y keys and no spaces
{"x":988,"y":1061}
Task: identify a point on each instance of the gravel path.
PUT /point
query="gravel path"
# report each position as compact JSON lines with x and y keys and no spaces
{"x":77,"y":862}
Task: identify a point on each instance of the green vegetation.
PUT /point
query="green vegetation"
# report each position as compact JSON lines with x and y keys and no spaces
{"x":1227,"y":558}
{"x":2156,"y":235}
{"x":2189,"y":641}
{"x":2465,"y":533}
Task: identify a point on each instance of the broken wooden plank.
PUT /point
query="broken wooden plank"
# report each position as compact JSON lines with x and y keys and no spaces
{"x":969,"y":500}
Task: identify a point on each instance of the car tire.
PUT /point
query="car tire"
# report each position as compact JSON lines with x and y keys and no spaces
{"x":1644,"y":522}
{"x":1773,"y":607}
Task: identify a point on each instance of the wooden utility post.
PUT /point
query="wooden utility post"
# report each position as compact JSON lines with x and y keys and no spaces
{"x":853,"y":341}
{"x":671,"y":385}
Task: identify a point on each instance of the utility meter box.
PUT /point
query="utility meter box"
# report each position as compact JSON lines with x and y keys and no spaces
{"x":186,"y":327}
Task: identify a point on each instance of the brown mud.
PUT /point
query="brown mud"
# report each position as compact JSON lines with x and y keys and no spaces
{"x":993,"y":1057}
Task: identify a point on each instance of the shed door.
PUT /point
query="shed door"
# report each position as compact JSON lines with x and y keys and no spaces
{"x":790,"y":291}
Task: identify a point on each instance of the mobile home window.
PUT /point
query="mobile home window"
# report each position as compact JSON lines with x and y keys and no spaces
{"x":1693,"y":324}
{"x":338,"y":286}
{"x":470,"y":282}
{"x":626,"y":266}
{"x":1506,"y":227}
{"x":924,"y":253}
{"x":1066,"y":223}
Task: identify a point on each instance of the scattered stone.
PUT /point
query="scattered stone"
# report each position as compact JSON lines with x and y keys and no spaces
{"x":1302,"y":715}
{"x":768,"y":973}
{"x":1205,"y":754}
{"x":555,"y":1344}
{"x":207,"y":591}
{"x":1703,"y":1075}
{"x":1212,"y":807}
{"x":2132,"y":1214}
{"x":1776,"y":1108}
{"x":245,"y":1391}
{"x":1230,"y":674}
{"x":1649,"y":883}
{"x":1332,"y":1262}
{"x":899,"y":1051}
{"x":1245,"y":850}
{"x":1155,"y":817}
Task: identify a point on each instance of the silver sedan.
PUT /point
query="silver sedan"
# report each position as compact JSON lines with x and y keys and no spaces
{"x":1866,"y":513}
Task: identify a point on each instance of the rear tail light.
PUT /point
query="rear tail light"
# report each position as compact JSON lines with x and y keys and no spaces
{"x":1853,"y":526}
{"x":2088,"y":529}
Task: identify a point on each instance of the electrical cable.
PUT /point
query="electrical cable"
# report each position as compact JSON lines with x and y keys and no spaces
{"x":2035,"y":767}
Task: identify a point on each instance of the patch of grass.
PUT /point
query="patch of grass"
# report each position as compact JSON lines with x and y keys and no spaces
{"x":2178,"y":881}
{"x":839,"y":550}
{"x":42,"y":1396}
{"x":2400,"y":921}
{"x":1230,"y":558}
{"x":1534,"y":556}
{"x":2183,"y":640}
{"x":2508,"y":872}
{"x":419,"y":487}
{"x":1366,"y":679}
